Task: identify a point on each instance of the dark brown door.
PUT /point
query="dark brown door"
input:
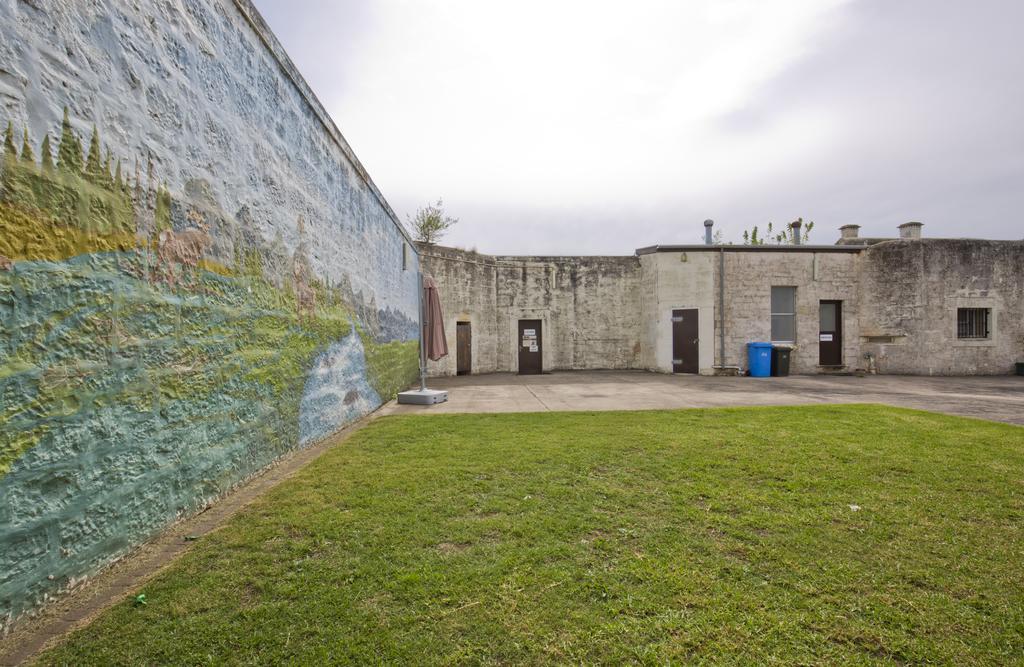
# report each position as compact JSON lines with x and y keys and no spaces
{"x":685,"y":346}
{"x":529,"y":347}
{"x":830,"y":333}
{"x":463,"y":348}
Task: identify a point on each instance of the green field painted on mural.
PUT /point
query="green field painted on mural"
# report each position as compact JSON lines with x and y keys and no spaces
{"x":127,"y":403}
{"x":105,"y":311}
{"x":391,"y":366}
{"x":94,"y":334}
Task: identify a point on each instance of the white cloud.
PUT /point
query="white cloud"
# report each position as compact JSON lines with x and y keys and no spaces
{"x":542,"y":101}
{"x":603,"y":126}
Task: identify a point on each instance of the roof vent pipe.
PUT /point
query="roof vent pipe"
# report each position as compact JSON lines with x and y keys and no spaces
{"x":911,"y":230}
{"x":708,"y":237}
{"x":795,"y":226}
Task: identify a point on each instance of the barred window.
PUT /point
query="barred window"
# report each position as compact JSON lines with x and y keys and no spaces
{"x":784,"y":314}
{"x":973,"y":323}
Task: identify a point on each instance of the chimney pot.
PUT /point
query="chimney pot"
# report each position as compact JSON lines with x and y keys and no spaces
{"x":795,"y":226}
{"x":910,"y":230}
{"x":849,"y":231}
{"x":708,"y":238}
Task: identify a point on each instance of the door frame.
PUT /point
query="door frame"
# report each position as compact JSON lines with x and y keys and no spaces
{"x":468,"y":324}
{"x":837,"y":336}
{"x":686,"y":365}
{"x":540,"y":344}
{"x":514,"y":315}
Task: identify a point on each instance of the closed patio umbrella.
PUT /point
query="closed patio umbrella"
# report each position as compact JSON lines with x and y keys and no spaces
{"x":433,"y":344}
{"x":433,"y":326}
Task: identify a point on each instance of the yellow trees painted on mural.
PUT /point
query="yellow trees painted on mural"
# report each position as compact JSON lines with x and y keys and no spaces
{"x":55,"y":210}
{"x":83,"y":203}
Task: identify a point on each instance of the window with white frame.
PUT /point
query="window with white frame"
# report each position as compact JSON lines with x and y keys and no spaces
{"x":783,"y":314}
{"x":973,"y":323}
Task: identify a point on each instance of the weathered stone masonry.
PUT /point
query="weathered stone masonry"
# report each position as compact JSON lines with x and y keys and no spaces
{"x":899,"y":301}
{"x":911,"y":290}
{"x":749,"y":277}
{"x":591,"y":305}
{"x":196,"y":276}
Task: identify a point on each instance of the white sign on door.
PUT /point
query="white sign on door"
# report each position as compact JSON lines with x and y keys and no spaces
{"x":529,"y":332}
{"x":825,"y":338}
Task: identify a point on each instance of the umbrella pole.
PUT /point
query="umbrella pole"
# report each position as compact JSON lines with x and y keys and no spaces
{"x":423,"y":337}
{"x":423,"y":396}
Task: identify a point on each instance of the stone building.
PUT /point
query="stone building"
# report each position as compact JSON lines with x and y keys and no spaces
{"x":908,"y":305}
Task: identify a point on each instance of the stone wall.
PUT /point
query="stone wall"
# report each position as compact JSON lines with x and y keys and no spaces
{"x":911,"y":291}
{"x":899,"y":304}
{"x":196,"y":275}
{"x":468,"y":288}
{"x":589,"y":308}
{"x":676,"y":280}
{"x":688,"y":277}
{"x":749,"y":277}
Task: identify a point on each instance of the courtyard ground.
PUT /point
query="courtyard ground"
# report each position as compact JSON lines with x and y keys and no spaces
{"x":1000,"y":398}
{"x":827,"y":534}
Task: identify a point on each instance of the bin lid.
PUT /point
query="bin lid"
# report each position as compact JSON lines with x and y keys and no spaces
{"x":759,"y":344}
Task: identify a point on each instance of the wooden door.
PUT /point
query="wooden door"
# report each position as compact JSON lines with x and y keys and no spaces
{"x":830,"y":333}
{"x":685,"y":341}
{"x":463,"y":348}
{"x":529,"y":342}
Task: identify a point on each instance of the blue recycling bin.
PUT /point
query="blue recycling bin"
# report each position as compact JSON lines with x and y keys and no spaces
{"x":759,"y":359}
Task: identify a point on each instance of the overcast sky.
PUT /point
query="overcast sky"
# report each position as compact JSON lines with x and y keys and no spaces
{"x":595,"y":127}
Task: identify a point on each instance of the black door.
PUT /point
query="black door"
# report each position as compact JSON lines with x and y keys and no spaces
{"x":529,"y":347}
{"x":685,"y":347}
{"x":463,"y":348}
{"x":830,"y":333}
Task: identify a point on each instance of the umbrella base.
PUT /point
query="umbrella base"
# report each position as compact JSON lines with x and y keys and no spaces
{"x":423,"y":396}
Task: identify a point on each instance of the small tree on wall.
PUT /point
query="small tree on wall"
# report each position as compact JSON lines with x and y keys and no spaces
{"x":430,"y":223}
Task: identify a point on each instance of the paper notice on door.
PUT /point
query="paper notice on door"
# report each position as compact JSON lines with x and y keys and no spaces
{"x":534,"y":348}
{"x":527,"y":342}
{"x":825,"y":338}
{"x":529,"y":332}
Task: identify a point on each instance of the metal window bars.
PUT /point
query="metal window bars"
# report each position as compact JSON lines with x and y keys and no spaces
{"x":973,"y":323}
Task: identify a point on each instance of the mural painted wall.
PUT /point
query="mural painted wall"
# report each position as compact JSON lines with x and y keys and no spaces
{"x":196,"y":275}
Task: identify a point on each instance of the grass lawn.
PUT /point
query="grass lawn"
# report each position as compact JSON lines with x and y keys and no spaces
{"x":826,"y":534}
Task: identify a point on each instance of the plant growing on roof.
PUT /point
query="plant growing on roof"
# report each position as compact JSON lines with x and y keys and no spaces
{"x":430,"y":223}
{"x":752,"y":237}
{"x":783,"y":237}
{"x":786,"y":235}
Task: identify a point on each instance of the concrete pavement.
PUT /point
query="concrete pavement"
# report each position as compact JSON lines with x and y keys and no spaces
{"x":999,"y":398}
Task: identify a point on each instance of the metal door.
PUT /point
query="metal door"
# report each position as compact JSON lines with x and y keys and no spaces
{"x":463,"y":348}
{"x":529,"y":347}
{"x":685,"y":341}
{"x":830,"y":333}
